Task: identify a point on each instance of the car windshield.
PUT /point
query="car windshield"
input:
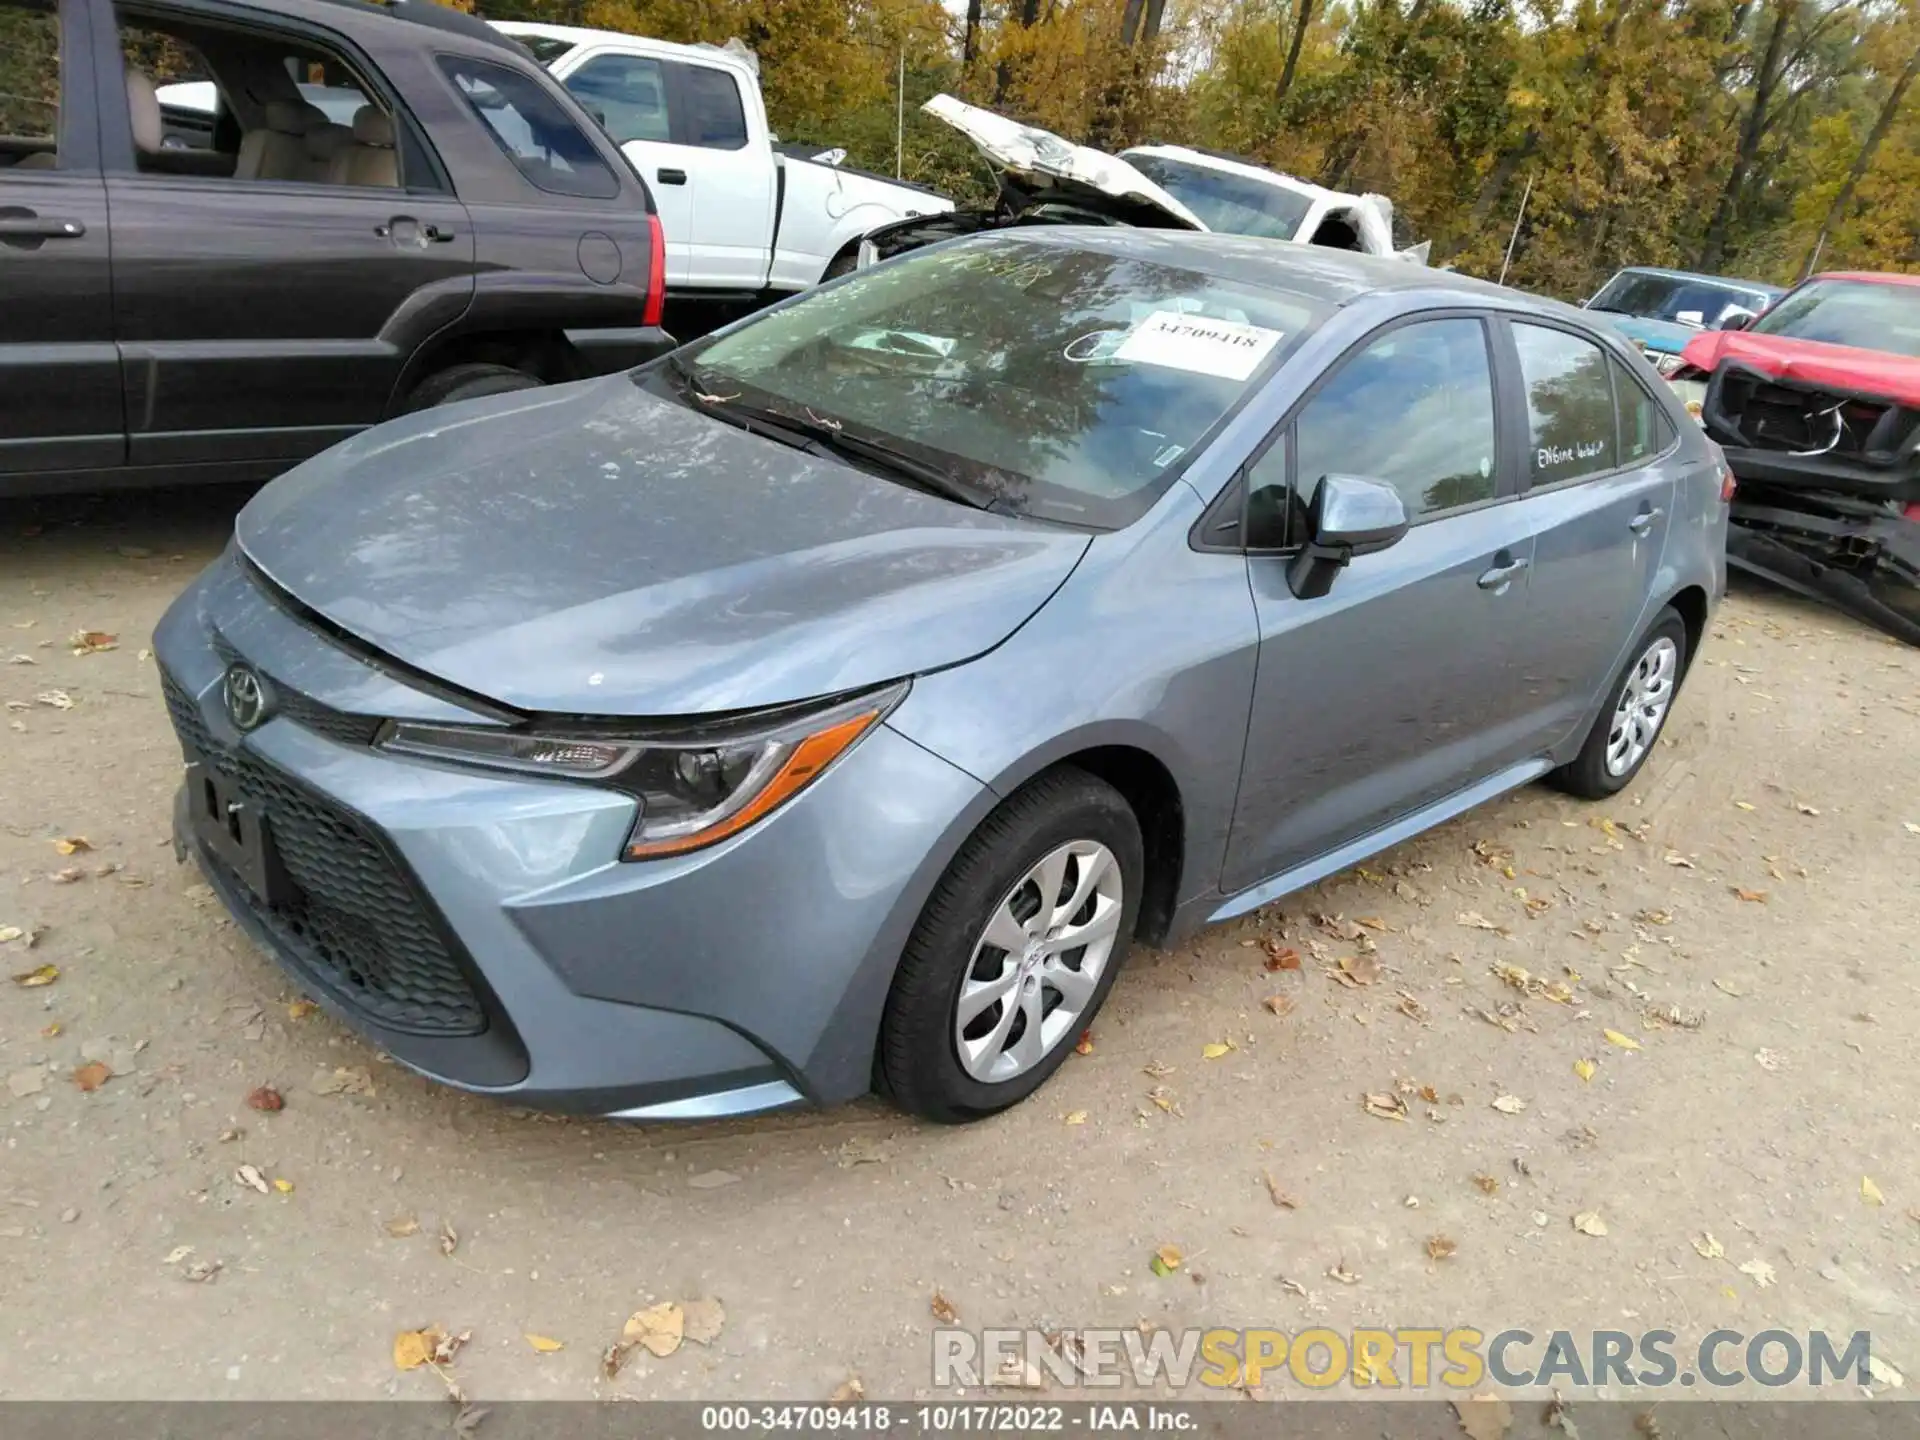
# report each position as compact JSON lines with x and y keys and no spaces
{"x":1678,"y":299}
{"x":1231,"y":204}
{"x":545,"y":48}
{"x":1058,"y":378}
{"x":1849,"y":312}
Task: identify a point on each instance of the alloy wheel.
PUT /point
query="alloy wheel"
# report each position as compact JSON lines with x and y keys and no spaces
{"x":1643,"y":705}
{"x":1036,"y":966}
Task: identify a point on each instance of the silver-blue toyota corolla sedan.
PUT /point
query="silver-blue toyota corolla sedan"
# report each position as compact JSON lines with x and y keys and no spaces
{"x":830,"y":705}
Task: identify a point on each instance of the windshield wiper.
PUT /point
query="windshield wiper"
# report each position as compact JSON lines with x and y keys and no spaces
{"x":826,"y":437}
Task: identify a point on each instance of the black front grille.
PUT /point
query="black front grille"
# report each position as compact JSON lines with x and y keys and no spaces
{"x":354,"y":920}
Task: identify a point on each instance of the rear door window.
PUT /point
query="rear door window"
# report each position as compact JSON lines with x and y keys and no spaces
{"x":711,"y":115}
{"x":537,"y":135}
{"x":1569,"y":405}
{"x":1644,"y":431}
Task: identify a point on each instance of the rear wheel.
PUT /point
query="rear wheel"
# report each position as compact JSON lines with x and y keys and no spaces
{"x":1015,"y":951}
{"x":471,"y":381}
{"x":1635,"y":713}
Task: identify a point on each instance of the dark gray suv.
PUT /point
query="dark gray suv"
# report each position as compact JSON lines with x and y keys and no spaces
{"x":216,"y":290}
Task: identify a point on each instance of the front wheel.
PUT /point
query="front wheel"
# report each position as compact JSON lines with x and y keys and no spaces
{"x":1635,"y":713}
{"x":471,"y":381}
{"x":1015,"y":951}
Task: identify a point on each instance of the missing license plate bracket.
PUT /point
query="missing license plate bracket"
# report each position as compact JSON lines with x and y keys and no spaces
{"x":236,"y":832}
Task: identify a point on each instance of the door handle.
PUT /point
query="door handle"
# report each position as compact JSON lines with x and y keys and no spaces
{"x":39,"y":227}
{"x":437,"y":234}
{"x":671,"y":177}
{"x":1501,"y":575}
{"x":1643,"y":522}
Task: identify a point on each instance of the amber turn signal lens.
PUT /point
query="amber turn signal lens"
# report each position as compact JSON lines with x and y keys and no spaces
{"x":809,"y":758}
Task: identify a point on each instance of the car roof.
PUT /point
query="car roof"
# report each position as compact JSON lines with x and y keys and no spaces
{"x":1333,"y":277}
{"x":1870,"y":277}
{"x":584,"y":36}
{"x":1662,"y":270}
{"x":375,"y":15}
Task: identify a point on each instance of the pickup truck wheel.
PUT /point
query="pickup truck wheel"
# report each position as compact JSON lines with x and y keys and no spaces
{"x":469,"y":382}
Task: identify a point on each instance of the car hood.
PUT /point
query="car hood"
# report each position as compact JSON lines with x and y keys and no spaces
{"x":1812,"y":362}
{"x":1040,"y":165}
{"x":595,"y":549}
{"x":1663,"y":337}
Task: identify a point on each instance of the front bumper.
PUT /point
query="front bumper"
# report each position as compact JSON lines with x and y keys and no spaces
{"x":479,"y":928}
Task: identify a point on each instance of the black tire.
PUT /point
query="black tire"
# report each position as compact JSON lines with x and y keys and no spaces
{"x":1587,"y":775}
{"x":919,"y":1063}
{"x":470,"y":381}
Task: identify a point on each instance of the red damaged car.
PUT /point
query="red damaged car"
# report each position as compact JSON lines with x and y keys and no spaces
{"x":1817,"y":404}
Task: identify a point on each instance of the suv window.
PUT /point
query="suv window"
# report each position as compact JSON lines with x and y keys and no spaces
{"x":1644,"y":431}
{"x":1414,"y":409}
{"x":710,"y":111}
{"x":29,"y":83}
{"x":1569,"y":405}
{"x":626,"y":93}
{"x":536,"y":134}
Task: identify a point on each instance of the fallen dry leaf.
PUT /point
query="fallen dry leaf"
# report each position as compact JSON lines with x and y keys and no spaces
{"x":1383,"y":1106}
{"x":265,"y":1098}
{"x":1625,"y":1042}
{"x":177,"y":1254}
{"x":1709,"y":1248}
{"x":1354,"y":971}
{"x":1279,"y":1197}
{"x":1483,"y":1417}
{"x":285,"y":1187}
{"x":1280,"y":957}
{"x":942,"y":1309}
{"x":250,"y":1176}
{"x":704,"y":1319}
{"x":1474,"y":920}
{"x":1870,"y":1192}
{"x":47,"y":1032}
{"x":1761,"y":1272}
{"x":93,"y":1075}
{"x":54,"y":699}
{"x":1085,"y":1043}
{"x":658,"y":1329}
{"x":40,"y":975}
{"x":343,"y":1080}
{"x":449,"y":1238}
{"x":1584,"y":1069}
{"x":401,"y":1226}
{"x":1680,"y":862}
{"x":72,"y":844}
{"x":88,"y":642}
{"x":1279,"y":1004}
{"x":1588,"y":1222}
{"x":414,"y":1348}
{"x":1488,"y":1184}
{"x":1440,"y":1247}
{"x":847,"y":1391}
{"x":1758,"y":897}
{"x":300,"y":1009}
{"x":1509,"y":1104}
{"x":1215,"y":1049}
{"x":1076,"y":1117}
{"x":1165,"y":1260}
{"x":1342,"y":1274}
{"x":545,"y":1344}
{"x":68,"y":875}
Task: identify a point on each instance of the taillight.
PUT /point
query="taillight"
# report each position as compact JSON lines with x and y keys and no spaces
{"x":1912,"y":512}
{"x":656,"y":305}
{"x":1727,"y":483}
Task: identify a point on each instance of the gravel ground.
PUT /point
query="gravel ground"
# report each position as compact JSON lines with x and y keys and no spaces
{"x":1743,"y":919}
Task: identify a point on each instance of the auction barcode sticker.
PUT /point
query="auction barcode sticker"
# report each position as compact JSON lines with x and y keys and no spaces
{"x":1193,"y":342}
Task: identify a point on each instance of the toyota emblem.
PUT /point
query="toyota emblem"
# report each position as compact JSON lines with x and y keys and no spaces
{"x":247,"y":697}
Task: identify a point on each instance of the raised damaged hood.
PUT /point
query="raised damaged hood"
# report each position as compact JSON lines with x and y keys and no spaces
{"x":595,"y":549}
{"x":1840,"y":368}
{"x":1042,"y":166}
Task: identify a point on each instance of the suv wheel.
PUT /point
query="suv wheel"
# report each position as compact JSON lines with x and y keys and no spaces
{"x":1636,"y":711}
{"x":1015,"y":952}
{"x":469,"y":382}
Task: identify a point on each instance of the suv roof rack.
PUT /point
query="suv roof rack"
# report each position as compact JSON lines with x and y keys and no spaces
{"x":438,"y":17}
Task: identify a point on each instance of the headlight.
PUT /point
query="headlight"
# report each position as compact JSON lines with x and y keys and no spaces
{"x":695,"y":786}
{"x":1665,"y":364}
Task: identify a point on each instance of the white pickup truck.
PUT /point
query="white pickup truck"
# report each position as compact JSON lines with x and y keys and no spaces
{"x":742,"y":217}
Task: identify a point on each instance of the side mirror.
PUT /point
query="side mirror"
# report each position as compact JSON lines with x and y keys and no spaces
{"x":1348,"y":516}
{"x":1735,"y":318}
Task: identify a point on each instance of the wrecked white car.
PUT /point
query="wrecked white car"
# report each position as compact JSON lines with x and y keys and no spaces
{"x":1050,"y":181}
